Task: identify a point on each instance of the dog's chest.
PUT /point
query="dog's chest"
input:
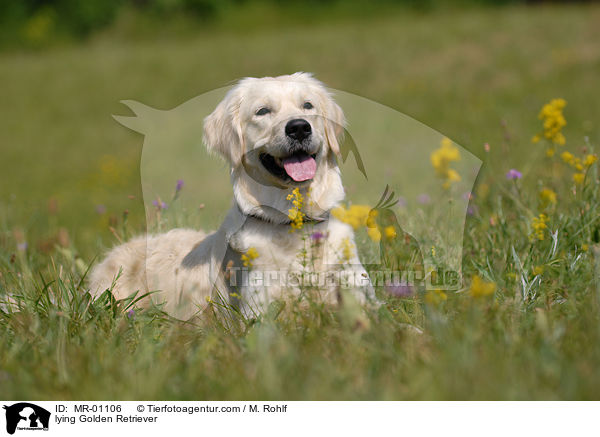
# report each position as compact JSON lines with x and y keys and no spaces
{"x":278,"y":246}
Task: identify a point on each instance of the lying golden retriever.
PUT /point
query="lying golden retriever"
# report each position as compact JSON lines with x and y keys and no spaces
{"x":281,"y":136}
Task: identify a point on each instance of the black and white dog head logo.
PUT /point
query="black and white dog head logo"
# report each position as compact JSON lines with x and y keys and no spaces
{"x":26,"y":416}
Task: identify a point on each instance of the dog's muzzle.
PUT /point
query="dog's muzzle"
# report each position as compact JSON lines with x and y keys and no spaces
{"x":297,"y":163}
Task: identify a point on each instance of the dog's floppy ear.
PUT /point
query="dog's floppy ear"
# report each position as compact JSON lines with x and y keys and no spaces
{"x":223,"y":130}
{"x":334,"y":123}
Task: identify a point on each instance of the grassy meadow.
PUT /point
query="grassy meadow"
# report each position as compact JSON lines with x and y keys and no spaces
{"x":524,"y":326}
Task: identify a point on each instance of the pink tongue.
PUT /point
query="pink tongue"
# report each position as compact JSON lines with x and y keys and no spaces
{"x":300,"y":168}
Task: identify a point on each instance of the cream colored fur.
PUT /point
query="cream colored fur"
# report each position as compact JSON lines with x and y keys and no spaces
{"x":185,"y":267}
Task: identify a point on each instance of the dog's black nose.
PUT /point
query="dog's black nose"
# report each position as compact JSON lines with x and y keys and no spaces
{"x":298,"y":129}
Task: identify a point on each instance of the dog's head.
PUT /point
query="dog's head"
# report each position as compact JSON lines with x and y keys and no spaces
{"x":284,"y":132}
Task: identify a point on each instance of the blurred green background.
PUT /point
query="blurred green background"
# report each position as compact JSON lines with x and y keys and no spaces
{"x":477,"y":71}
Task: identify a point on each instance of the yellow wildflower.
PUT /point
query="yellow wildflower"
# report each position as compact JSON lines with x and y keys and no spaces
{"x":538,"y":270}
{"x":295,"y":214}
{"x":441,"y":159}
{"x":362,"y":211}
{"x":585,"y":247}
{"x":549,"y":152}
{"x":567,"y":157}
{"x":435,"y":297}
{"x":371,"y":221}
{"x":578,"y":178}
{"x":553,"y":121}
{"x":432,"y":250}
{"x":359,"y":216}
{"x":356,"y":215}
{"x":579,"y":165}
{"x":589,"y":160}
{"x":481,"y":288}
{"x":453,"y":175}
{"x":539,"y":225}
{"x":374,"y":234}
{"x":547,"y":196}
{"x":250,"y":255}
{"x":347,"y":249}
{"x":390,"y":232}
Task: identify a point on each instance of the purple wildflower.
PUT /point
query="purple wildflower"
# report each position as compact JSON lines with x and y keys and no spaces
{"x":399,"y":290}
{"x":100,"y":209}
{"x":159,"y":204}
{"x":401,"y":202}
{"x":317,"y":236}
{"x":179,"y":185}
{"x":513,"y":174}
{"x":22,"y":247}
{"x":423,"y":199}
{"x":130,"y":313}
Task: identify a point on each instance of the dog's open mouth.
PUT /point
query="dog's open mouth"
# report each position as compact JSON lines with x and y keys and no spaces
{"x":300,"y":166}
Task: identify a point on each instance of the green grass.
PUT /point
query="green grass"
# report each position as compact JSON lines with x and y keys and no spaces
{"x":477,"y":76}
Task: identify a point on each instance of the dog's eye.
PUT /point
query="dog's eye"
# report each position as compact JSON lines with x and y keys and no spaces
{"x":307,"y":105}
{"x":263,"y":111}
